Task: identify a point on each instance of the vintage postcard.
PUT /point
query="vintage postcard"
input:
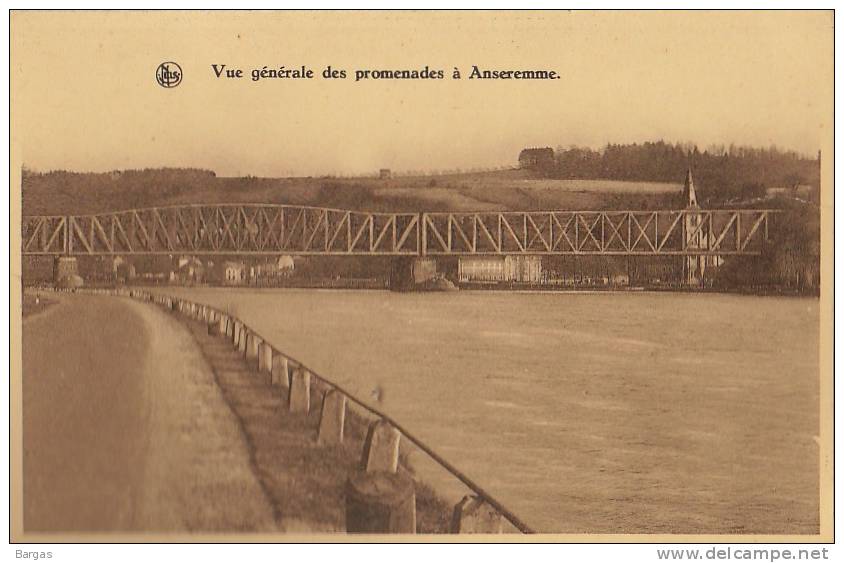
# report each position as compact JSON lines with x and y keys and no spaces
{"x":412,"y":276}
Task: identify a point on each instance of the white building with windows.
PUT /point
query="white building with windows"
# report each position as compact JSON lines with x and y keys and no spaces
{"x":493,"y":269}
{"x":234,"y":273}
{"x":525,"y":269}
{"x":481,"y":269}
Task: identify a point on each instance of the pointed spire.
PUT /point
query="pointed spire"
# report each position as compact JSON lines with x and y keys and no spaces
{"x":689,"y":195}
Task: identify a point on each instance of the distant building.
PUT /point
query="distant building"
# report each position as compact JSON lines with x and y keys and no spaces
{"x":384,"y":174}
{"x":190,"y":270}
{"x":656,"y":270}
{"x":480,"y":269}
{"x":537,"y":159}
{"x":588,"y":270}
{"x":233,"y":273}
{"x":154,"y":276}
{"x":281,"y":267}
{"x":285,"y":263}
{"x":620,"y":279}
{"x":523,"y":269}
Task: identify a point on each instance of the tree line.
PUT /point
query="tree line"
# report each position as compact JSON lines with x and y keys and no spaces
{"x":723,"y":173}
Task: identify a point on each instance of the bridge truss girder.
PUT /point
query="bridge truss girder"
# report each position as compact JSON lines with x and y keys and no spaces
{"x":285,"y":229}
{"x":627,"y":233}
{"x":224,"y":229}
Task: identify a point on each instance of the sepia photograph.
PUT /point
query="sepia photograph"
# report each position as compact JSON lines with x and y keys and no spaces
{"x":469,"y":276}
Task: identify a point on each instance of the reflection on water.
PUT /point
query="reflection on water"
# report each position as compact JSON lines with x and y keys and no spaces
{"x":603,"y":412}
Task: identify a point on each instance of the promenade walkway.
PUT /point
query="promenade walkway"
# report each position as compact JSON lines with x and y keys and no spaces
{"x":125,"y":429}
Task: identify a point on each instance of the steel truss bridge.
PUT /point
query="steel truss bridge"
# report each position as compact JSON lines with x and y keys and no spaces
{"x":288,"y":229}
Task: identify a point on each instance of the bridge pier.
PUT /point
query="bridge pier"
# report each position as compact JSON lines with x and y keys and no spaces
{"x":66,"y":272}
{"x":409,"y":272}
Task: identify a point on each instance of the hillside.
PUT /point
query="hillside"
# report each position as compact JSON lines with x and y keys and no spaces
{"x":78,"y":193}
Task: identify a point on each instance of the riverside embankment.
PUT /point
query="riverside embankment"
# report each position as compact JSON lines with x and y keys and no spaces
{"x":324,"y":468}
{"x":124,"y":428}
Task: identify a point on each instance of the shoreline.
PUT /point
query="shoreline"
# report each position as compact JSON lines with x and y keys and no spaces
{"x":434,"y":513}
{"x":276,"y":436}
{"x":474,"y":288}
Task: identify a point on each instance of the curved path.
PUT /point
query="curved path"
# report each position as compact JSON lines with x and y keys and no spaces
{"x":124,"y":428}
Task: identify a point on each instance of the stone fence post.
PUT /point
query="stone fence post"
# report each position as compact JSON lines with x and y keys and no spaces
{"x":474,"y":516}
{"x":379,"y":498}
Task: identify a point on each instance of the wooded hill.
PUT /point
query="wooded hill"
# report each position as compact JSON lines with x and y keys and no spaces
{"x":722,"y":173}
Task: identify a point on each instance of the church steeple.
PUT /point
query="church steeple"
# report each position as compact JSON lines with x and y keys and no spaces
{"x":689,"y":195}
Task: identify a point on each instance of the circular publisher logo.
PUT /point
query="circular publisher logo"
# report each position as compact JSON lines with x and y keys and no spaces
{"x":168,"y":75}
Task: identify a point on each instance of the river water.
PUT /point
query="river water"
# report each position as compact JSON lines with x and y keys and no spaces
{"x":628,"y":412}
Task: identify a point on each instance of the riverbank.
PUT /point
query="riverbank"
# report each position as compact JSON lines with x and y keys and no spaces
{"x":125,"y":430}
{"x":303,"y":480}
{"x":372,"y":285}
{"x":660,"y":288}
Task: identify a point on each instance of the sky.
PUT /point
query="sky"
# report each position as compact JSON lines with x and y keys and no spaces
{"x":85,"y":98}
